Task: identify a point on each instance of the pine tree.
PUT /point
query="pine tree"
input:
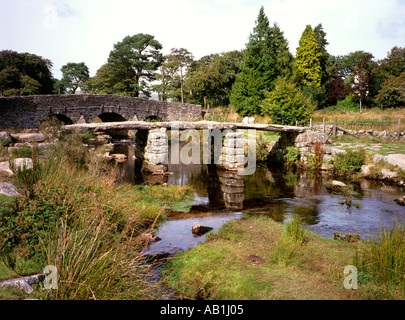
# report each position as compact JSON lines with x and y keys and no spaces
{"x":307,"y":65}
{"x":266,"y":58}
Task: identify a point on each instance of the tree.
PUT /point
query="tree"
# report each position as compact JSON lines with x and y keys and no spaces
{"x":177,"y":61}
{"x":104,"y":82}
{"x":363,"y":78}
{"x":266,"y":58}
{"x":25,"y":73}
{"x":337,"y":90}
{"x":210,"y":79}
{"x":392,"y":93}
{"x":287,"y":104}
{"x":392,"y":66}
{"x":307,"y":65}
{"x":10,"y":81}
{"x":29,"y":86}
{"x":346,"y":64}
{"x":74,"y":75}
{"x":134,"y":61}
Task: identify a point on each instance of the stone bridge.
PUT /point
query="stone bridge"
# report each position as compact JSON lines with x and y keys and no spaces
{"x":223,"y":143}
{"x":29,"y":111}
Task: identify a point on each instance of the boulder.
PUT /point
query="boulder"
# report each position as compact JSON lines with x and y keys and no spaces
{"x":365,"y":170}
{"x":29,"y":137}
{"x":5,"y":139}
{"x":23,"y":283}
{"x":119,"y":157}
{"x":18,"y":163}
{"x":388,"y":174}
{"x":337,"y":186}
{"x":8,"y":189}
{"x":400,"y":201}
{"x":378,"y":157}
{"x":396,"y":160}
{"x":199,"y":230}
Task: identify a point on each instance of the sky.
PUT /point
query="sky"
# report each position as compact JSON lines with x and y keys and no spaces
{"x":86,"y":30}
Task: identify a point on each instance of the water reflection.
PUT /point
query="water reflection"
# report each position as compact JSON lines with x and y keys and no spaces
{"x":219,"y":194}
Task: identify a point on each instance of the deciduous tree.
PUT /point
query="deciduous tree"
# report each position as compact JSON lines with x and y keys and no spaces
{"x":25,"y":73}
{"x":210,"y":79}
{"x":177,"y":62}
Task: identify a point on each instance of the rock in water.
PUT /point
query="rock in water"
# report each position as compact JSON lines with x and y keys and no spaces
{"x":400,"y":201}
{"x":199,"y":230}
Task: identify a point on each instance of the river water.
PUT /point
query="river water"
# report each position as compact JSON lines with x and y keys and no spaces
{"x":221,"y":196}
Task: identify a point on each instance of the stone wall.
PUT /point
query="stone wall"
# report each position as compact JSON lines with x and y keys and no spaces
{"x":29,"y":111}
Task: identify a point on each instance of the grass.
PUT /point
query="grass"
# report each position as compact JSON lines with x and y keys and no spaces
{"x":228,"y":114}
{"x":77,"y":218}
{"x":256,"y":258}
{"x":384,"y":259}
{"x":375,"y":118}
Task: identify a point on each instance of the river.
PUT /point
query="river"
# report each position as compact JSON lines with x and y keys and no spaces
{"x":221,"y":196}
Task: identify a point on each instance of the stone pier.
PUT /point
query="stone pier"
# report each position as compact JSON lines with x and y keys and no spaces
{"x":155,"y":152}
{"x":232,"y":187}
{"x":233,"y":155}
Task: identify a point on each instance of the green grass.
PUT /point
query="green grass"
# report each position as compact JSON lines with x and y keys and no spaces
{"x":255,"y":258}
{"x":77,"y":218}
{"x":382,"y":262}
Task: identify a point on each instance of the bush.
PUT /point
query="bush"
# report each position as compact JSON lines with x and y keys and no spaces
{"x":349,"y":103}
{"x":392,"y":93}
{"x":348,"y":164}
{"x":292,"y":157}
{"x":287,"y":104}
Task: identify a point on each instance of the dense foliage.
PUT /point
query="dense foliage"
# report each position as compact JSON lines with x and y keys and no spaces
{"x":287,"y":104}
{"x":24,"y":74}
{"x":266,"y":58}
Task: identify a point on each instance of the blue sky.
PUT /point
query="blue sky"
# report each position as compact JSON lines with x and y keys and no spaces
{"x":86,"y":30}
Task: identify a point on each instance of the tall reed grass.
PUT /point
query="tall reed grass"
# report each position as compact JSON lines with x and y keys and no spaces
{"x":78,"y":219}
{"x":383,"y":259}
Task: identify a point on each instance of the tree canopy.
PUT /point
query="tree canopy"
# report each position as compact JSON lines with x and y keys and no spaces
{"x":24,"y":74}
{"x":266,"y":58}
{"x":74,"y":75}
{"x":308,"y":59}
{"x":134,"y":61}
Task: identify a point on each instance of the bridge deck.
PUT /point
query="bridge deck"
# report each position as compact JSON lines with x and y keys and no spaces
{"x":182,"y":125}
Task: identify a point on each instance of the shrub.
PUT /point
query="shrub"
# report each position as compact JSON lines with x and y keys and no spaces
{"x":292,"y":157}
{"x":392,"y":93}
{"x":348,"y":164}
{"x":349,"y":103}
{"x":287,"y":104}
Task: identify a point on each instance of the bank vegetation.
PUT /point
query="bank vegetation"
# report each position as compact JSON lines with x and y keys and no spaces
{"x":74,"y":214}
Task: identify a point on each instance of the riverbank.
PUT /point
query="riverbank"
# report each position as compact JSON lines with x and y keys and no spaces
{"x":254,"y":259}
{"x":73,"y":214}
